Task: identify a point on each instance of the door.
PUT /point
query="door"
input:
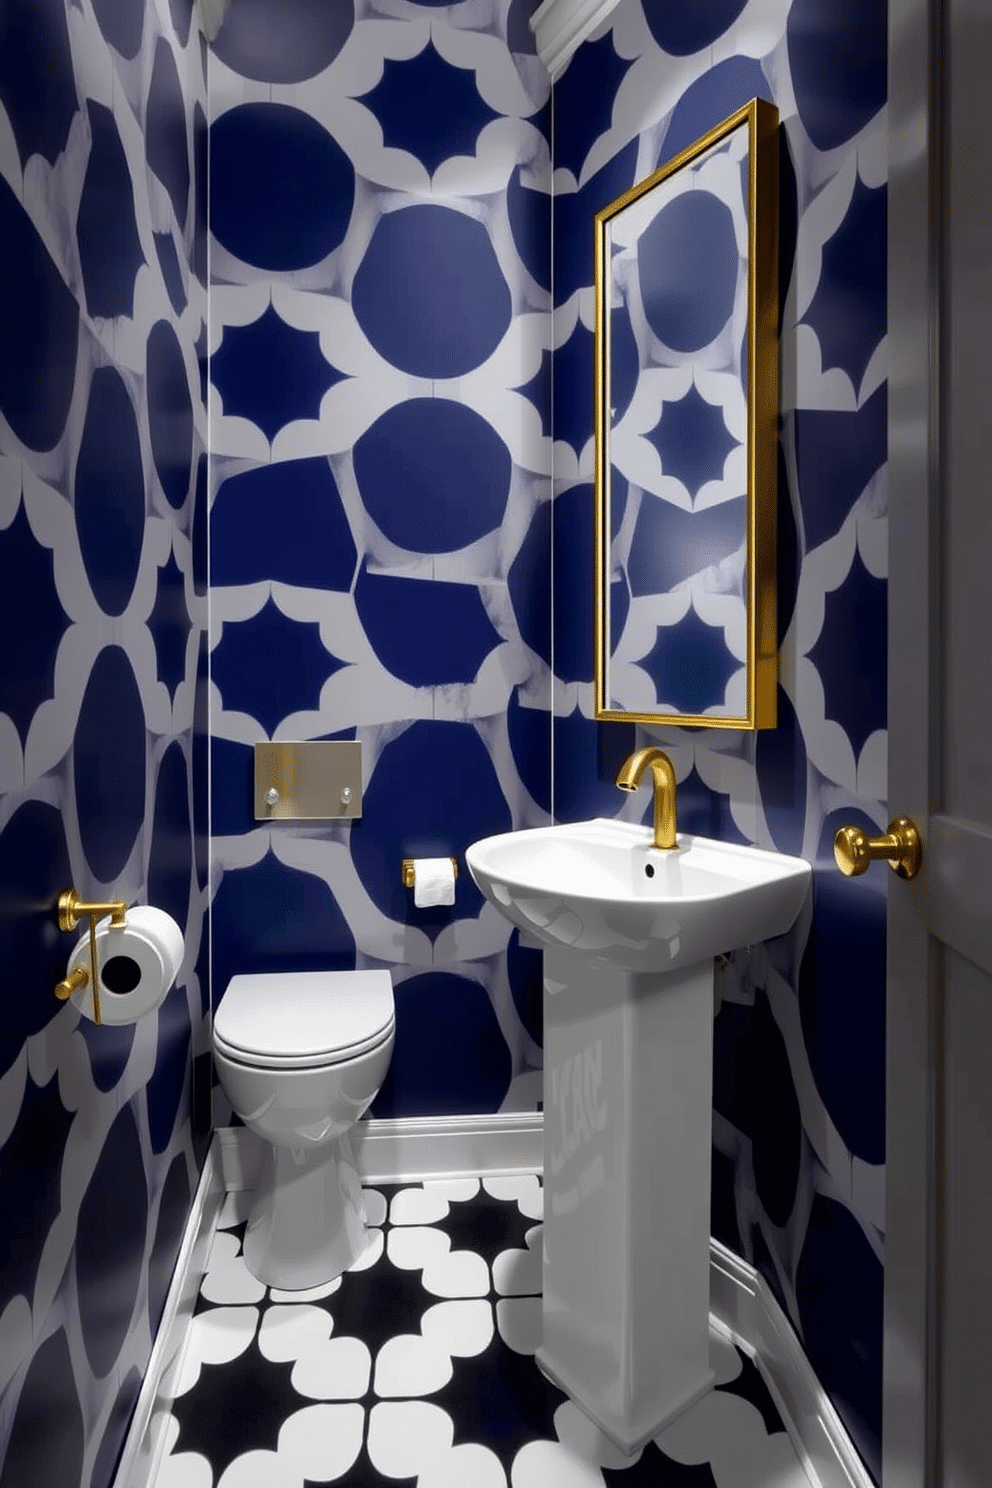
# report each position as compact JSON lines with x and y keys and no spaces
{"x":938,"y":1281}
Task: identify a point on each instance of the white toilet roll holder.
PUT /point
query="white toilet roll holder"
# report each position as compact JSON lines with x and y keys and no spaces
{"x":71,"y":909}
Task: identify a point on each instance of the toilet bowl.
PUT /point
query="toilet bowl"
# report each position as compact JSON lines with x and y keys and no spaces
{"x":301,"y":1056}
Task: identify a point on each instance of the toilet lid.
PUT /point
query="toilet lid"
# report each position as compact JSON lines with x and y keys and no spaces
{"x":319,"y":1017}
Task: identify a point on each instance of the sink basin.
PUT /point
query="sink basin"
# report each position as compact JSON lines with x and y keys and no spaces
{"x":602,"y":889}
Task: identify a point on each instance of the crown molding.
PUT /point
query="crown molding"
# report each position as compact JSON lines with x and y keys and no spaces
{"x":560,"y":25}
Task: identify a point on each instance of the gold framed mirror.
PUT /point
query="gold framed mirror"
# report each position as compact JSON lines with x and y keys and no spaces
{"x":686,"y":409}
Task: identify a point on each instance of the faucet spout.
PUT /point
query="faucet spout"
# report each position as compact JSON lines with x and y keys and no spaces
{"x":663,"y":775}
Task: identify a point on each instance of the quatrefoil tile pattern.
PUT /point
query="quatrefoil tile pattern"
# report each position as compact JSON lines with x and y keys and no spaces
{"x":102,"y":702}
{"x":417,"y":1366}
{"x":800,"y":1059}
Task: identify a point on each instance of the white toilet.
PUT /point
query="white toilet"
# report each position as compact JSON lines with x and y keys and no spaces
{"x":301,"y":1056}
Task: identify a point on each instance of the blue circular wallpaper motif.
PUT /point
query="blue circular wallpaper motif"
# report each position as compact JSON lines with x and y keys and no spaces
{"x":110,"y":492}
{"x":838,"y":86}
{"x":109,"y":767}
{"x":446,"y":634}
{"x":714,"y":96}
{"x":36,"y":1453}
{"x":40,"y":329}
{"x":249,"y":548}
{"x":170,"y":873}
{"x":170,"y":413}
{"x":683,"y":29}
{"x":106,"y":231}
{"x":33,"y":1156}
{"x":435,"y":451}
{"x":282,"y":188}
{"x":164,"y":1091}
{"x":166,"y":137}
{"x":430,"y":294}
{"x":110,"y":1241}
{"x":285,"y":44}
{"x":109,"y":1050}
{"x":173,"y":1208}
{"x":450,"y":1056}
{"x":687,"y":263}
{"x":36,"y":62}
{"x":122,"y":22}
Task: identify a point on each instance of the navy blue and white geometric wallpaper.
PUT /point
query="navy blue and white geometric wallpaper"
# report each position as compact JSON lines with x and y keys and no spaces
{"x":399,"y":483}
{"x":381,"y":485}
{"x":799,"y":1140}
{"x":103,"y":701}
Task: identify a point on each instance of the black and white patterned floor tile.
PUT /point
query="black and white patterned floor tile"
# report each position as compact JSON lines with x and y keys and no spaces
{"x":416,"y":1367}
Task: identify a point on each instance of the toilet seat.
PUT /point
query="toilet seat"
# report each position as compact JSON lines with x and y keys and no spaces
{"x":304,"y":1020}
{"x":257,"y":1059}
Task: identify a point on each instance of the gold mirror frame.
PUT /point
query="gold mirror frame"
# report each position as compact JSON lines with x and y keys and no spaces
{"x":761,"y":663}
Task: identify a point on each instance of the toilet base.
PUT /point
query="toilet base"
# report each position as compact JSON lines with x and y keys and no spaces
{"x":308,"y":1221}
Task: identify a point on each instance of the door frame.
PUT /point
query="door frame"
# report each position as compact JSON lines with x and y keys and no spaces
{"x":939,"y":988}
{"x":911,"y":1416}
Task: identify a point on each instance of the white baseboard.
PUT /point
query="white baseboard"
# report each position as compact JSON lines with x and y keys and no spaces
{"x":142,"y":1446}
{"x":742,"y":1305}
{"x":413,"y":1148}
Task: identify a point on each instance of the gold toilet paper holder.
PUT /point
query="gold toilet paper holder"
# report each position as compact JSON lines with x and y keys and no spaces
{"x":409,"y":871}
{"x":71,"y":909}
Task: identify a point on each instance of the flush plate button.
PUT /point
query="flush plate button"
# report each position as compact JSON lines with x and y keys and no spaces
{"x":310,"y":780}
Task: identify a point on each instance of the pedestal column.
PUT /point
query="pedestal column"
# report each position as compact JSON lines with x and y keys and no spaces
{"x":627,"y":1137}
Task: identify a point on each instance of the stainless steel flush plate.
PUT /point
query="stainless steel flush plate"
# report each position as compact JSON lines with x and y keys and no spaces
{"x":319,"y":780}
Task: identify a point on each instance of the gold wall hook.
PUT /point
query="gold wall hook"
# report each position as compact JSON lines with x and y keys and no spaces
{"x":71,"y":909}
{"x":901,"y":847}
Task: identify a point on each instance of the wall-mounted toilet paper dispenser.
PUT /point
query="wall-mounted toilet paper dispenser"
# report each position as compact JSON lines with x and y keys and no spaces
{"x":125,"y":966}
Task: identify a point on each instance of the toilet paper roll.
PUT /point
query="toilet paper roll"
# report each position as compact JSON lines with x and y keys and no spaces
{"x":434,"y":882}
{"x":138,"y":964}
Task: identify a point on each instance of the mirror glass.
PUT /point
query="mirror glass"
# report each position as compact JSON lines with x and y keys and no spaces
{"x":686,"y":405}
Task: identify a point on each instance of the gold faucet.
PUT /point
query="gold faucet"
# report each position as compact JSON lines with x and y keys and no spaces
{"x":663,"y":772}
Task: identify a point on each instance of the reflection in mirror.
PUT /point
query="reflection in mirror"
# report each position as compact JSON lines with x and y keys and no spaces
{"x":686,"y":317}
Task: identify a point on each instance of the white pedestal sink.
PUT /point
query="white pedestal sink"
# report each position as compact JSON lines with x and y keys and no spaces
{"x":629,"y":934}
